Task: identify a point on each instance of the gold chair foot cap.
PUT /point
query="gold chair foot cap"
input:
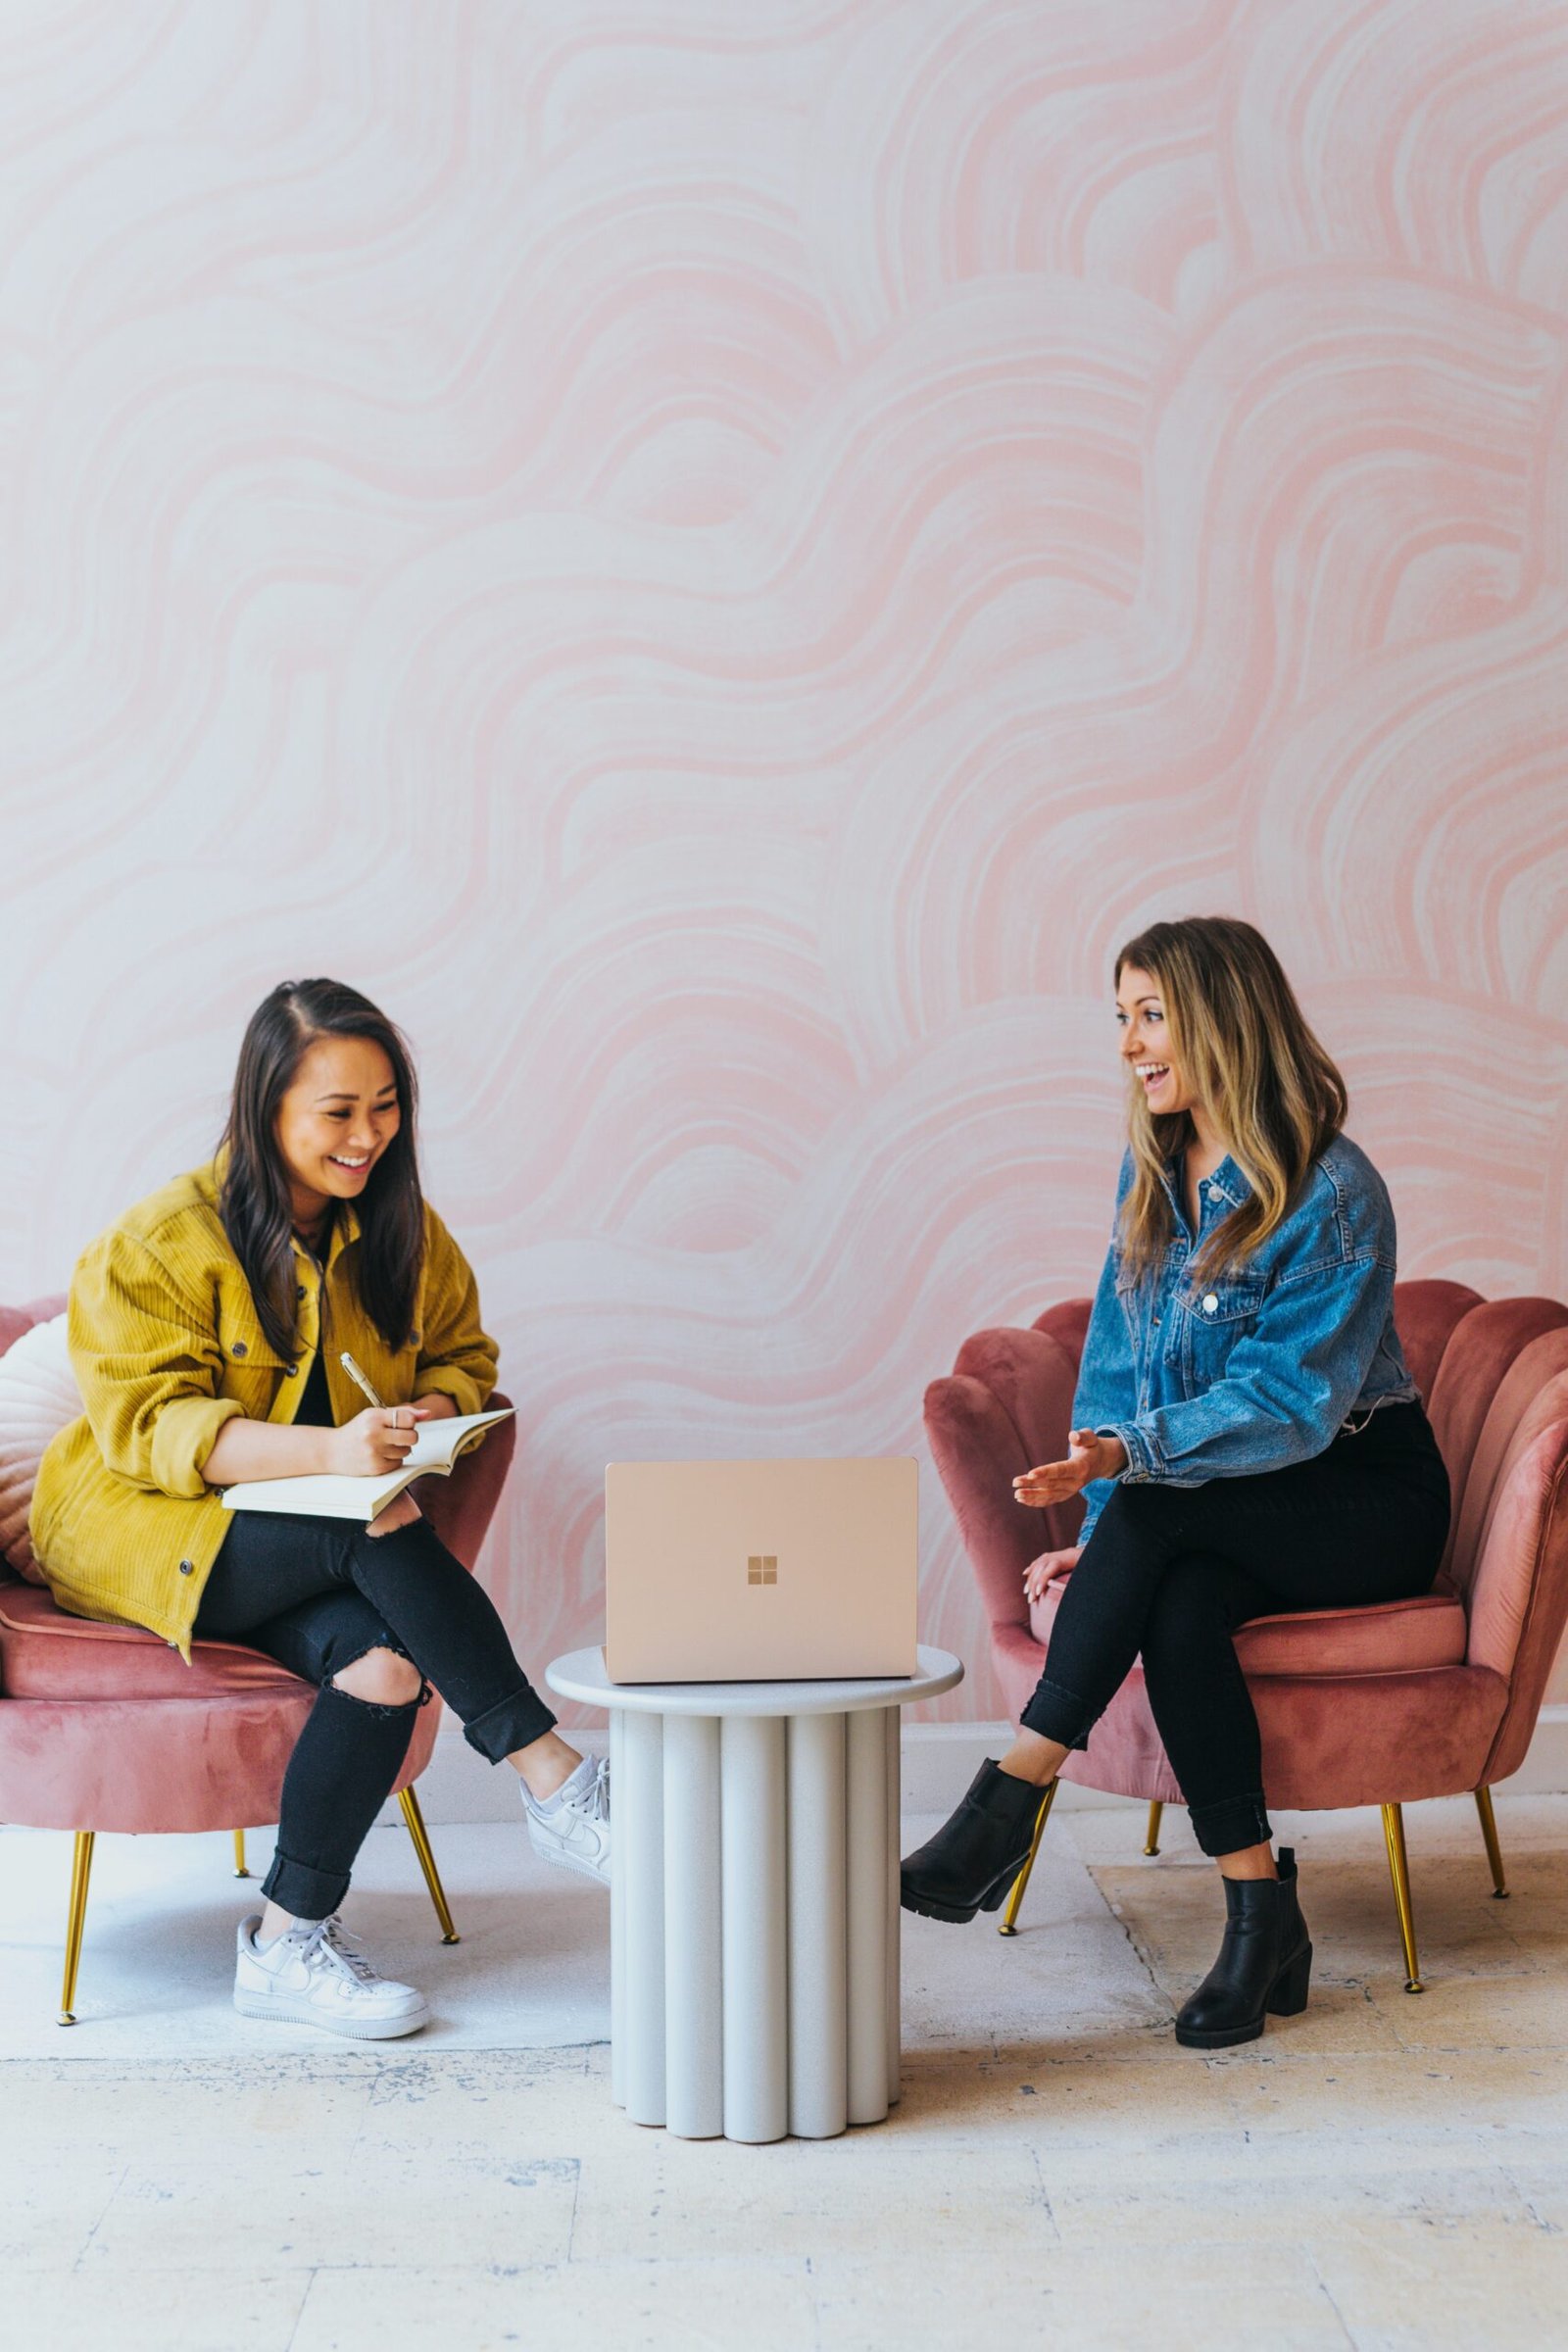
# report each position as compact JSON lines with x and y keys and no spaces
{"x":66,"y":2017}
{"x":1006,"y":1930}
{"x":1151,"y":1851}
{"x":1414,"y":1985}
{"x":242,"y":1874}
{"x":454,"y":1937}
{"x":1501,"y":1895}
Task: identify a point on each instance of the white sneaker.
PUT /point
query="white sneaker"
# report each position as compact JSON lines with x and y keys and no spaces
{"x":313,"y":1977}
{"x":573,"y":1827}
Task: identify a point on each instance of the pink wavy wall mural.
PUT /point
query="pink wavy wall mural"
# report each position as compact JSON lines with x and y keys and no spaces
{"x":717,"y":559}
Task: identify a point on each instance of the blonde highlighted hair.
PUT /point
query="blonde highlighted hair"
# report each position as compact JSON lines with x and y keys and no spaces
{"x":1244,"y":1048}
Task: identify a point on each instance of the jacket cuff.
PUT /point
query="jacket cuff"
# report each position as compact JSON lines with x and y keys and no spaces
{"x":183,"y":1436}
{"x":448,"y":1379}
{"x":1143,"y":1456}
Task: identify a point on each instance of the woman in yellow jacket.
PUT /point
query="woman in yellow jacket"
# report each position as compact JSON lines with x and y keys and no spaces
{"x":206,"y":1328}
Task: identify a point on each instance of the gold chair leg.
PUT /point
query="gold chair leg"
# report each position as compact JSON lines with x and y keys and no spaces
{"x":1400,"y":1872}
{"x":240,"y":1870}
{"x":1488,"y":1830}
{"x":76,"y":1921}
{"x":1156,"y":1812}
{"x":1009,"y":1925}
{"x":432,"y":1877}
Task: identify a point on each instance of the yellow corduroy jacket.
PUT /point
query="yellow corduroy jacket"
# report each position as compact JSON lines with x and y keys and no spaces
{"x":167,"y":1346}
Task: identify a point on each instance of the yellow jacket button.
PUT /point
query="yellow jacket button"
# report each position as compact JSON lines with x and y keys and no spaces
{"x":187,"y":1567}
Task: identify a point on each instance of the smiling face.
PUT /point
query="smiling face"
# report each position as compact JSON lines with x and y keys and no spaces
{"x":335,"y":1121}
{"x":1145,"y":1046}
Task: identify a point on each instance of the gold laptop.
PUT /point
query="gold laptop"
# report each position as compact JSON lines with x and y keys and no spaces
{"x":737,"y":1572}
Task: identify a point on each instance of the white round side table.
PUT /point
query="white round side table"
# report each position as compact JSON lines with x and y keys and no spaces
{"x":753,"y":1910}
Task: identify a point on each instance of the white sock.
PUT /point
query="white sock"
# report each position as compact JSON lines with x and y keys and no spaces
{"x":576,"y":1783}
{"x":300,"y":1927}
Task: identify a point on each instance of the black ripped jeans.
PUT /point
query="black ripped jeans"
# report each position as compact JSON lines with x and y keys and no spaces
{"x":318,"y":1594}
{"x":1170,"y":1572}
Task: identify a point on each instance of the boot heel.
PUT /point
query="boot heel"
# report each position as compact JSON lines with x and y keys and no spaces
{"x":975,"y":1856}
{"x":1289,"y":1996}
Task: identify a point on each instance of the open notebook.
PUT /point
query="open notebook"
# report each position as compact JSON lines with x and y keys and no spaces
{"x":325,"y":1496}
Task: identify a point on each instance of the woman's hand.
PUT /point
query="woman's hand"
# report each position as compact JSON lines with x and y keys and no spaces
{"x":437,"y":1406}
{"x":1088,"y":1456}
{"x":376,"y":1439}
{"x":1047,"y":1569}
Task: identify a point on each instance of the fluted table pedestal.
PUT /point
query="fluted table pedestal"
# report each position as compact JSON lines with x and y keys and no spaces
{"x":753,"y":1915}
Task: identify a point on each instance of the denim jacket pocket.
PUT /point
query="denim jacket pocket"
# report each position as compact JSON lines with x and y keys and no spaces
{"x":1207,"y":1324}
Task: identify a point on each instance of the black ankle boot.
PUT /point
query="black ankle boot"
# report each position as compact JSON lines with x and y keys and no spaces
{"x":974,"y":1857}
{"x":1264,"y":1963}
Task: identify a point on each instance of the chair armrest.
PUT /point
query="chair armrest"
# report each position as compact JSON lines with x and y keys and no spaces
{"x":1518,"y":1603}
{"x":1032,"y":1374}
{"x":461,"y":1507}
{"x":978,"y":1454}
{"x":1006,"y":1407}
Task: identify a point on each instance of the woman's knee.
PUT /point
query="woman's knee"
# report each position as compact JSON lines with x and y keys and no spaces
{"x":401,"y":1511}
{"x":1188,"y":1610}
{"x":382,"y":1678}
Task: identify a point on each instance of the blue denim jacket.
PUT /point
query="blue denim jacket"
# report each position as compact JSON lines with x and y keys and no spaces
{"x":1265,"y":1366}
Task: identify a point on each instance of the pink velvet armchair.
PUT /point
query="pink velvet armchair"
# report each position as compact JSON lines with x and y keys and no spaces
{"x":1382,"y":1705}
{"x":104,"y":1726}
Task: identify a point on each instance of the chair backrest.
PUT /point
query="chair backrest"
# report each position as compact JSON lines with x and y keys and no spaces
{"x":1500,"y":1408}
{"x":1425,"y":1315}
{"x":1490,"y":1369}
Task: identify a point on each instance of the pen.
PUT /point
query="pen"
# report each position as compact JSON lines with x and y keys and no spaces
{"x":358,"y":1377}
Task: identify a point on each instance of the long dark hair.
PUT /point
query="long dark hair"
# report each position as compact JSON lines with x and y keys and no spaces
{"x":255,"y":1201}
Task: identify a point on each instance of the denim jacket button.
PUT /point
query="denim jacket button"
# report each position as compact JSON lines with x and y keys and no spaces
{"x":1210,"y":1304}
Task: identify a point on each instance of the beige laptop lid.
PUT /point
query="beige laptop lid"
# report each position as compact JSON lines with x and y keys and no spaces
{"x":760,"y":1571}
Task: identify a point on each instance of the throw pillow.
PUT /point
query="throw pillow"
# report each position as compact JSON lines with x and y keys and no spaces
{"x":38,"y":1395}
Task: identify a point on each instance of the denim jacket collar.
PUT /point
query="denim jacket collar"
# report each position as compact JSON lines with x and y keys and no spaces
{"x":1227,"y":1180}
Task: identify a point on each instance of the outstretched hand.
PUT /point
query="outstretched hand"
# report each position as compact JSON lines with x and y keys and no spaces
{"x":1088,"y":1456}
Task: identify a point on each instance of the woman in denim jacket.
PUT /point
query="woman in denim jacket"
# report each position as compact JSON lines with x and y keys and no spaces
{"x":1247,"y":1438}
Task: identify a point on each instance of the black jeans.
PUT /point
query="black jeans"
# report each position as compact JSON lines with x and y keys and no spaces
{"x":1170,"y":1572}
{"x":318,"y":1594}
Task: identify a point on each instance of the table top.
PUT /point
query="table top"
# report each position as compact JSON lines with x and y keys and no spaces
{"x":581,"y":1675}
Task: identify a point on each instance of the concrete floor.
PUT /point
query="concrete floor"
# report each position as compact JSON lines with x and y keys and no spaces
{"x":1382,"y":2172}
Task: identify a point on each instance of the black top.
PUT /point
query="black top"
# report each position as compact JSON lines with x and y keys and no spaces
{"x":316,"y":1405}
